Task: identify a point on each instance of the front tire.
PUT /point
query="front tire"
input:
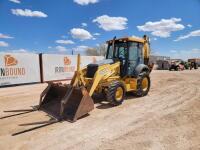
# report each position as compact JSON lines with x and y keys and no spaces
{"x":143,"y":85}
{"x":115,"y":93}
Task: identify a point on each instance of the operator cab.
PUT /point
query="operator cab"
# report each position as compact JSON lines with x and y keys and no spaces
{"x":128,"y":51}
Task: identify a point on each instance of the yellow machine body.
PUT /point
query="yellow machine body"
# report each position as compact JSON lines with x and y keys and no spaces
{"x":70,"y":102}
{"x":103,"y":77}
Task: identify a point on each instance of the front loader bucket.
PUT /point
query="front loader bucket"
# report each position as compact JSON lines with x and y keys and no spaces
{"x":65,"y":102}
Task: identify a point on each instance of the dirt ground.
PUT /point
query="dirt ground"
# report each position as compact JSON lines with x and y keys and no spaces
{"x":168,"y":118}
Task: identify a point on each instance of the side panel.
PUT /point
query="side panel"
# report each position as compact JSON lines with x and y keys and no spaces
{"x":62,"y":67}
{"x":19,"y":68}
{"x":58,"y":67}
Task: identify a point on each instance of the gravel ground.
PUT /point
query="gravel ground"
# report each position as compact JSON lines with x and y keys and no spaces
{"x":167,"y":118}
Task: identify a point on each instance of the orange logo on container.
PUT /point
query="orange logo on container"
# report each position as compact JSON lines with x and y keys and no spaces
{"x":67,"y":61}
{"x":10,"y":60}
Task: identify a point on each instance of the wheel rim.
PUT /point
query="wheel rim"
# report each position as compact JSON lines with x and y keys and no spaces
{"x":119,"y":94}
{"x":145,"y":84}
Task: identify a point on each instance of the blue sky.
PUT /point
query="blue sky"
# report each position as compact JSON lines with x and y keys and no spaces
{"x":58,"y":26}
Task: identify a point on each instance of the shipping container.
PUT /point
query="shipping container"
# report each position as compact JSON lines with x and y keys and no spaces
{"x":162,"y":64}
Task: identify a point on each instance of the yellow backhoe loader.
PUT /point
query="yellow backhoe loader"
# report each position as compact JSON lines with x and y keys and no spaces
{"x":125,"y":69}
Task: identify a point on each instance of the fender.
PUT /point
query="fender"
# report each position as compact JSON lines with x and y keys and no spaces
{"x":141,"y":68}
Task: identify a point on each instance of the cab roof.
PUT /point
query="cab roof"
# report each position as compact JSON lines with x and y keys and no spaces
{"x":131,"y":39}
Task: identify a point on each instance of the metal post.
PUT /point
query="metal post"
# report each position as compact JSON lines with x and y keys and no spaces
{"x":78,"y":62}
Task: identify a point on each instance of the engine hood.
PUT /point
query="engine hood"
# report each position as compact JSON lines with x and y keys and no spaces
{"x":92,"y":68}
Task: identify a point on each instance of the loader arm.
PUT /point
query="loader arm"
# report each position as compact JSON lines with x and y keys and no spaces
{"x":78,"y":77}
{"x":103,"y":73}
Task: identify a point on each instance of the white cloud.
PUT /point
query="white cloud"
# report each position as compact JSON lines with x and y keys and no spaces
{"x":156,"y":53}
{"x":96,"y":34}
{"x":86,"y":2}
{"x":155,"y":39}
{"x":191,"y":34}
{"x":3,"y":44}
{"x":28,"y":13}
{"x":61,"y":49}
{"x":21,"y":50}
{"x":111,"y":23}
{"x":162,"y":28}
{"x":189,"y":25}
{"x":64,"y":42}
{"x":196,"y":50}
{"x":15,"y":1}
{"x":81,"y":48}
{"x":49,"y":47}
{"x":173,"y":51}
{"x":82,"y":34}
{"x":84,"y":24}
{"x":186,"y":54}
{"x":4,"y":36}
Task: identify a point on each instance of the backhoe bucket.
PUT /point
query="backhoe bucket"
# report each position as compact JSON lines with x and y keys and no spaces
{"x":64,"y":102}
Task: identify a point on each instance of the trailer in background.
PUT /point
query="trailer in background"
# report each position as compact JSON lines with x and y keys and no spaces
{"x":194,"y":63}
{"x":163,"y":64}
{"x":197,"y":60}
{"x":160,"y":62}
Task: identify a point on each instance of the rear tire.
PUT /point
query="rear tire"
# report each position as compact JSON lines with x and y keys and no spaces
{"x":143,"y":85}
{"x":115,"y":93}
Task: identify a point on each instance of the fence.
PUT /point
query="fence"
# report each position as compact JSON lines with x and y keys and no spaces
{"x":59,"y":67}
{"x":17,"y":68}
{"x":24,"y":68}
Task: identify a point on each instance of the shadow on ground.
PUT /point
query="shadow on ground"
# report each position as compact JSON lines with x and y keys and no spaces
{"x":103,"y":104}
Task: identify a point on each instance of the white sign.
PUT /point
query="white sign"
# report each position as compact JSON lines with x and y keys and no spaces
{"x":62,"y":67}
{"x":58,"y":67}
{"x":19,"y":68}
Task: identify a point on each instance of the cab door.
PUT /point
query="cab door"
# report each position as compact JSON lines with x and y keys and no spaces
{"x":134,"y":56}
{"x":122,"y":55}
